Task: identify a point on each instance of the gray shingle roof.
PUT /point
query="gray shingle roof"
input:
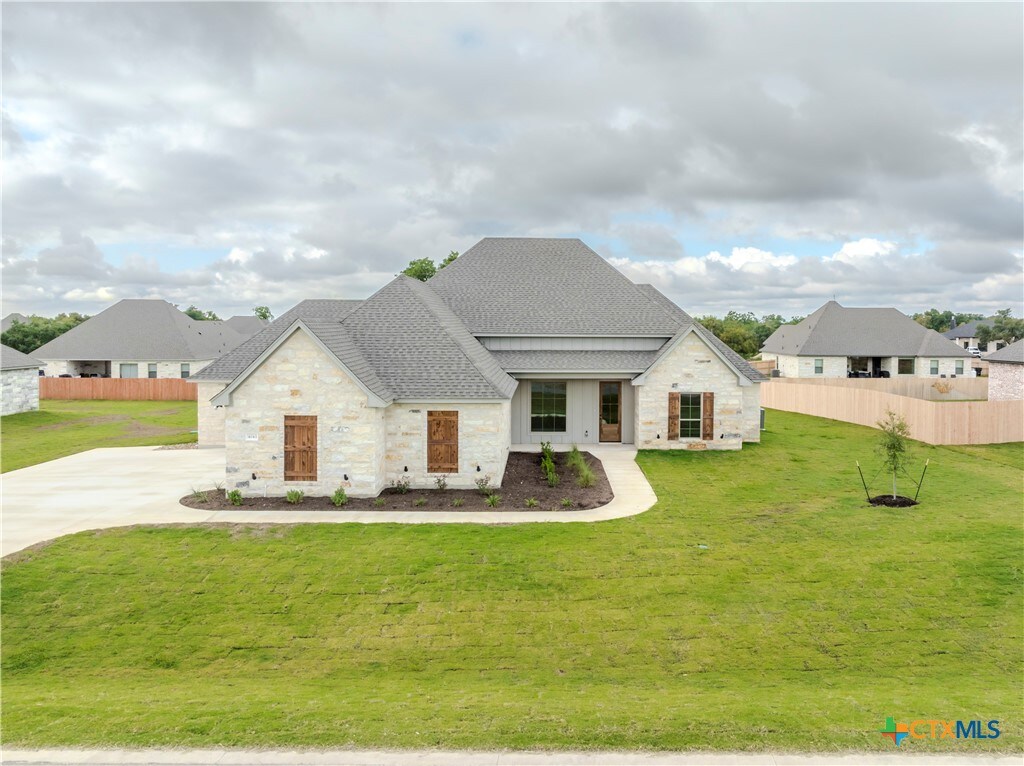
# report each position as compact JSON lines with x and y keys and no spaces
{"x":834,"y":330}
{"x":524,"y":286}
{"x":1012,"y":354}
{"x":233,"y":363}
{"x":143,"y":329}
{"x":685,"y":320}
{"x":246,"y":326}
{"x":967,"y":329}
{"x":12,"y":359}
{"x":420,"y":349}
{"x":7,"y":321}
{"x":574,"y":361}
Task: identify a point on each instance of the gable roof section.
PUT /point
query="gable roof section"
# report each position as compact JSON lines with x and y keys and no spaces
{"x":235,"y":362}
{"x":1012,"y":354}
{"x":685,"y":320}
{"x":10,"y":319}
{"x":629,"y":362}
{"x":143,"y":329}
{"x":246,"y":326}
{"x":835,"y":330}
{"x":967,"y":329}
{"x":12,"y":359}
{"x":531,"y":286}
{"x":420,"y":348}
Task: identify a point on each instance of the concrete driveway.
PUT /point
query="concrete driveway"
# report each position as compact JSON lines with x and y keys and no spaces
{"x":142,"y":485}
{"x":103,"y":488}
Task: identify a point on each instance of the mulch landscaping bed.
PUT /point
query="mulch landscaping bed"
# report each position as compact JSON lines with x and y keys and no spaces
{"x":523,"y":479}
{"x":893,"y":502}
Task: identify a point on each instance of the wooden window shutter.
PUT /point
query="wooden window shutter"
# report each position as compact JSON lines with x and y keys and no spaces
{"x":673,"y":416}
{"x":300,"y":447}
{"x":442,"y":441}
{"x":707,"y":416}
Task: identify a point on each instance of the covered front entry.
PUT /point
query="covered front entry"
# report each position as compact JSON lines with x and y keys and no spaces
{"x":573,"y":411}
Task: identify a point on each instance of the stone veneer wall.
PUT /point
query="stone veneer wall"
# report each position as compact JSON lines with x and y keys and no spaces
{"x":484,"y":439}
{"x":300,"y":379}
{"x":837,"y":366}
{"x":163,"y":369}
{"x":211,"y":418}
{"x":19,"y":391}
{"x":696,"y":368}
{"x":1005,"y":381}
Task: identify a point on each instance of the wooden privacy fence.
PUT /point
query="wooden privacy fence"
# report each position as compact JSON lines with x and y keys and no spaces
{"x":948,"y":422}
{"x":764,"y":367}
{"x":134,"y":389}
{"x":933,"y":389}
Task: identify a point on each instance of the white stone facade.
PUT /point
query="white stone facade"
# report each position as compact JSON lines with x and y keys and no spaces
{"x":19,"y":391}
{"x":113,"y":367}
{"x":484,"y":440}
{"x":837,"y":366}
{"x":211,"y":416}
{"x":694,"y":368}
{"x":359,"y":447}
{"x":1005,"y":381}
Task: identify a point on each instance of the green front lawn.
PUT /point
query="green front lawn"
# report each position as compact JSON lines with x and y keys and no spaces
{"x":760,"y":605}
{"x":60,"y":428}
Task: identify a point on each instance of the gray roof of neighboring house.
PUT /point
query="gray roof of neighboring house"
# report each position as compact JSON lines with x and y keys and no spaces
{"x":1012,"y":354}
{"x":527,"y":286}
{"x":142,"y":329}
{"x":246,"y":326}
{"x":12,"y":359}
{"x":835,"y":330}
{"x":233,"y":363}
{"x":574,"y":361}
{"x":7,"y":321}
{"x":685,"y":320}
{"x":967,"y":329}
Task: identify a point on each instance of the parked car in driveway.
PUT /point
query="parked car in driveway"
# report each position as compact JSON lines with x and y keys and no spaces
{"x":974,"y":351}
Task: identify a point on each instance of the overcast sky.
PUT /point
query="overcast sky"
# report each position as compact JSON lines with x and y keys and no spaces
{"x":761,"y":158}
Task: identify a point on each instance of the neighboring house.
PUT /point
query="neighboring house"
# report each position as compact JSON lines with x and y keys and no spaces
{"x":518,"y":341}
{"x":19,"y":381}
{"x":1006,"y":373}
{"x":966,"y":336}
{"x":10,"y":319}
{"x":837,"y":342}
{"x":142,"y":338}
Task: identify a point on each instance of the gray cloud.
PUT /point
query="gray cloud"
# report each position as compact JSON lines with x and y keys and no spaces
{"x":326,"y":145}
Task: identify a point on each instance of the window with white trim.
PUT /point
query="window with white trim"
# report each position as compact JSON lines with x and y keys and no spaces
{"x":933,"y":367}
{"x":959,"y":366}
{"x":819,"y":366}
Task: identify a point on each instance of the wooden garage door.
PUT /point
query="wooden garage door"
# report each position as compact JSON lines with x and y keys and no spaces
{"x":300,"y":447}
{"x":442,"y":441}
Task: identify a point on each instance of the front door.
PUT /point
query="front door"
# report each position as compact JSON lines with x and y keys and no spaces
{"x":611,"y":412}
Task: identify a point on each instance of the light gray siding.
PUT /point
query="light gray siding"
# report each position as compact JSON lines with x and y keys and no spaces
{"x":582,"y":413}
{"x":497,"y":343}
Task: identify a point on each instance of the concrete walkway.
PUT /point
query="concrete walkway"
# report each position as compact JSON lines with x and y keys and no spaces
{"x":121,"y":486}
{"x":463,"y":758}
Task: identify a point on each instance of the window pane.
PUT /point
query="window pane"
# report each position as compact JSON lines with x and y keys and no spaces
{"x":547,"y":407}
{"x":959,"y":366}
{"x":129,"y":370}
{"x":906,"y":367}
{"x":934,"y":367}
{"x":185,"y":370}
{"x":689,"y":416}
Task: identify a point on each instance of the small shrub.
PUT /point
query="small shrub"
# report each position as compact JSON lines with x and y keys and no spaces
{"x":545,"y":448}
{"x":585,"y":477}
{"x":552,"y":478}
{"x":218,"y":486}
{"x":458,"y":502}
{"x":576,"y":460}
{"x":379,"y":502}
{"x":234,"y":497}
{"x":483,"y":485}
{"x":401,"y":486}
{"x":441,"y":482}
{"x":340,"y":497}
{"x":493,"y":500}
{"x":419,"y":502}
{"x":294,"y":496}
{"x":531,"y":502}
{"x":199,"y":496}
{"x":566,"y":502}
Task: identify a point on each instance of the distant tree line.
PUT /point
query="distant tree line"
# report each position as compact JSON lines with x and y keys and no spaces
{"x":1002,"y":327}
{"x":424,"y":268}
{"x":744,"y":333}
{"x":942,"y":321}
{"x":38,"y":331}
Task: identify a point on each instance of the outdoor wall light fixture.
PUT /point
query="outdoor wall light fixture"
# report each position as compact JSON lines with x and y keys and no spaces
{"x":254,"y":476}
{"x":478,"y":469}
{"x":406,"y":469}
{"x":658,"y":436}
{"x":344,"y":477}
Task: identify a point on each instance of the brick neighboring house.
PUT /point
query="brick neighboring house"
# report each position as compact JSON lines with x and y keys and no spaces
{"x":143,"y":338}
{"x":1006,"y":373}
{"x":518,"y":341}
{"x":19,"y":381}
{"x":838,"y":342}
